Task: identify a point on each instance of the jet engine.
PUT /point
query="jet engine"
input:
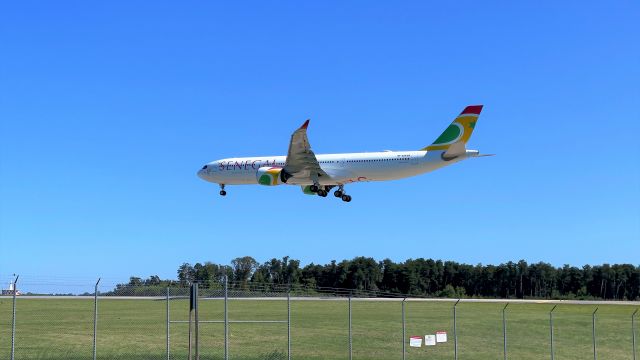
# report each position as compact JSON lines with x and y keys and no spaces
{"x":270,"y":176}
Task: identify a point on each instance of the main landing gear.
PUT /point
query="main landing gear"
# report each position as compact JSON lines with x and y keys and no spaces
{"x":323,"y":191}
{"x":340,"y":194}
{"x":320,"y":190}
{"x":222,"y":191}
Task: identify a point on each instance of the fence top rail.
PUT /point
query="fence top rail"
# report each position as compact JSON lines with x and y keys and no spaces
{"x":232,"y":321}
{"x":283,"y":297}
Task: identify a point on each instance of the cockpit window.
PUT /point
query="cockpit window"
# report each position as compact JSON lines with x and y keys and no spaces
{"x":204,"y":167}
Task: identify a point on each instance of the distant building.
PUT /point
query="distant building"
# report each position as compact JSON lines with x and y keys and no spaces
{"x":10,"y":290}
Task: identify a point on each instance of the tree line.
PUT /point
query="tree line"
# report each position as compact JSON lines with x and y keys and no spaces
{"x":417,"y":277}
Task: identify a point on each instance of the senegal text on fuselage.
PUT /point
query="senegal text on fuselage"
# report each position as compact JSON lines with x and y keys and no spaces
{"x":245,"y":164}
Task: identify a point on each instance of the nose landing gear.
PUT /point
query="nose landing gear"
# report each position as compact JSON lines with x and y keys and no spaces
{"x":222,"y":191}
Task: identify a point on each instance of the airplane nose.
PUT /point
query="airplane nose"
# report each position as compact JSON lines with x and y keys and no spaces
{"x":202,"y":173}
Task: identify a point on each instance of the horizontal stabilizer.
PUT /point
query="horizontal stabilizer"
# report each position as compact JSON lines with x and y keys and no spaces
{"x":454,"y":150}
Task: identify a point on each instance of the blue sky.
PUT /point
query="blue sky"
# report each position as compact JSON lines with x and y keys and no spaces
{"x":108,"y":110}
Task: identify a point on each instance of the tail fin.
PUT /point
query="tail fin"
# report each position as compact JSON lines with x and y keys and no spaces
{"x":459,"y":131}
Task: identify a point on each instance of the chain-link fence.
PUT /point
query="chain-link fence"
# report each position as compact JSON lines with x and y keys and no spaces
{"x":233,"y":320}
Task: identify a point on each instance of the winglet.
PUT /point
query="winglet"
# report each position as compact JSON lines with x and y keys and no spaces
{"x":304,"y":126}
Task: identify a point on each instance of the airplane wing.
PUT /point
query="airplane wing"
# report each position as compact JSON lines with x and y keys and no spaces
{"x":301,"y":163}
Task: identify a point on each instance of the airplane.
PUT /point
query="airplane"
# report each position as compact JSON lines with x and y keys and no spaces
{"x":318,"y":174}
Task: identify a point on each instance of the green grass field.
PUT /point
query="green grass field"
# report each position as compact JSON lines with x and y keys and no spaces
{"x":135,"y":329}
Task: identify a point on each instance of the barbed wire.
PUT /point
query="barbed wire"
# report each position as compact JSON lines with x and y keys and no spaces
{"x":212,"y":288}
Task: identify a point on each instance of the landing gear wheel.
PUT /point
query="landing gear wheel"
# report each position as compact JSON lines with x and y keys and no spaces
{"x":313,"y":188}
{"x":338,"y":193}
{"x":223,"y":193}
{"x":346,"y":198}
{"x":322,"y":193}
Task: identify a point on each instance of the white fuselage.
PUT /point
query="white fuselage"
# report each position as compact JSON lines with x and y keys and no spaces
{"x":341,"y":168}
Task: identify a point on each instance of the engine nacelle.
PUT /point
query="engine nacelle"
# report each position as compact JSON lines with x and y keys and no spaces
{"x":270,"y":176}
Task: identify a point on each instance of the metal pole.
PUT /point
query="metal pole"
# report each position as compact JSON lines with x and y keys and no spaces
{"x":289,"y":325}
{"x":195,"y":298}
{"x":455,"y":331}
{"x":190,"y":317}
{"x":551,"y":330}
{"x":504,"y":330}
{"x":593,"y":333}
{"x":633,"y":334}
{"x":168,"y":324}
{"x":350,"y":332}
{"x":226,"y":318}
{"x":13,"y":318}
{"x":404,"y":332}
{"x":95,"y":317}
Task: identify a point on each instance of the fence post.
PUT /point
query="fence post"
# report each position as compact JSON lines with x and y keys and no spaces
{"x":168,"y":326}
{"x":455,"y":331}
{"x":226,"y":318}
{"x":504,"y":330}
{"x":190,"y":317}
{"x":95,"y":317}
{"x":197,"y":322}
{"x":13,"y":318}
{"x":404,"y":332}
{"x":593,"y":333}
{"x":551,"y":330}
{"x":633,"y":334}
{"x":289,"y":324}
{"x":350,"y":331}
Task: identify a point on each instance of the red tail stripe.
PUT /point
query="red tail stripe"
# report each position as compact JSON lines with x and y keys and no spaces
{"x":473,"y":109}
